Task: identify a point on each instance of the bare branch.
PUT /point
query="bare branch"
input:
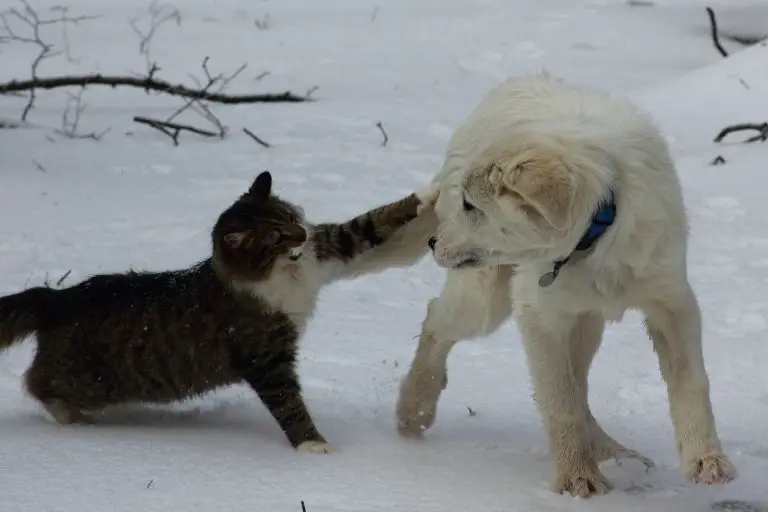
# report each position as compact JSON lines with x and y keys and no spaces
{"x":762,"y":128}
{"x":173,"y":130}
{"x":159,"y":15}
{"x":33,"y":22}
{"x":149,"y":84}
{"x":380,"y":126}
{"x":715,"y":33}
{"x":199,"y":106}
{"x":70,"y":119}
{"x":65,"y":21}
{"x":257,"y":139}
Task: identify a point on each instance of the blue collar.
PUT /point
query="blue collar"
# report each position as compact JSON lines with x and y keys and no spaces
{"x":601,"y":220}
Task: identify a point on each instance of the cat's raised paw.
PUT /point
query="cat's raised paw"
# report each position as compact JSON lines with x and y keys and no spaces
{"x":314,"y":447}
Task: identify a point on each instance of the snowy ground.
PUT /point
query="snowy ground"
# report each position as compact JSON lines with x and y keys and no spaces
{"x":132,"y":199}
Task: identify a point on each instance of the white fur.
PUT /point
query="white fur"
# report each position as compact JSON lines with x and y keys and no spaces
{"x":314,"y":447}
{"x":536,"y":156}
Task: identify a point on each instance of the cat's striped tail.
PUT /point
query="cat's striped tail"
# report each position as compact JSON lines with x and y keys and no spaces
{"x":20,"y":314}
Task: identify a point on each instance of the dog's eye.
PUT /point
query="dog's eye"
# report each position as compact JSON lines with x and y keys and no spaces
{"x":468,"y":207}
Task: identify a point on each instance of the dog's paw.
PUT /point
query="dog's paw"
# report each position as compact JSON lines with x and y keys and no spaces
{"x":314,"y":447}
{"x":582,"y":482}
{"x":417,"y":405}
{"x":427,"y":198}
{"x":711,"y":469}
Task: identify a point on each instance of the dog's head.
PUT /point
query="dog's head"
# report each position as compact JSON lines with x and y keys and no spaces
{"x":258,"y":232}
{"x":519,"y":205}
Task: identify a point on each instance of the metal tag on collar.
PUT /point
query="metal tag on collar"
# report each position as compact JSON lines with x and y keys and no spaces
{"x":547,"y":279}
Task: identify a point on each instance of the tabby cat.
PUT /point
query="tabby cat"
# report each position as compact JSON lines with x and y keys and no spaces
{"x":234,"y":317}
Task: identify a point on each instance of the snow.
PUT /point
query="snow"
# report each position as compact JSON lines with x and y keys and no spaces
{"x":133,"y":200}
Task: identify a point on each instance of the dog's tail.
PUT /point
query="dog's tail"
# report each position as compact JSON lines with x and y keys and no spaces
{"x":404,"y":249}
{"x":20,"y":314}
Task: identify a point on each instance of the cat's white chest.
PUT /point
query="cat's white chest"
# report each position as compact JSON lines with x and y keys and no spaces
{"x":292,"y":293}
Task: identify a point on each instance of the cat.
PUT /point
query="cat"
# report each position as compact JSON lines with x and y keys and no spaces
{"x":237,"y":316}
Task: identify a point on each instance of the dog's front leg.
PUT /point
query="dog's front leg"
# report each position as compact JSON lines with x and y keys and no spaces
{"x":472,"y":303}
{"x":561,"y":400}
{"x":675,"y":329}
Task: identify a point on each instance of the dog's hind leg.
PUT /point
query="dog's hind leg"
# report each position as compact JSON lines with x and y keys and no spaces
{"x":585,"y":341}
{"x":473,"y":303}
{"x":561,"y":396}
{"x":674,"y":326}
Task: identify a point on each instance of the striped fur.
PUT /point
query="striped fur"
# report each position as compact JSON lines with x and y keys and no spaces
{"x":344,"y":242}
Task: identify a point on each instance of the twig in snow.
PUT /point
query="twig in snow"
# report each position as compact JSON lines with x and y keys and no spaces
{"x":719,"y":160}
{"x":39,"y":166}
{"x":47,"y":280}
{"x":159,"y":15}
{"x":471,"y":412}
{"x":762,"y":128}
{"x":264,"y":23}
{"x":303,"y":507}
{"x":173,"y":130}
{"x":70,"y":119}
{"x":256,"y":138}
{"x":64,"y":277}
{"x":383,"y":133}
{"x":715,"y":33}
{"x":149,"y":484}
{"x":740,"y":506}
{"x":311,"y":90}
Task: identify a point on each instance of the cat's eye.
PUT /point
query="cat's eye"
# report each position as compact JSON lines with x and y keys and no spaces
{"x":467,"y":206}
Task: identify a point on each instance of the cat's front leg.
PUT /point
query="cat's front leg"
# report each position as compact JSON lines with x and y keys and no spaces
{"x":279,"y":389}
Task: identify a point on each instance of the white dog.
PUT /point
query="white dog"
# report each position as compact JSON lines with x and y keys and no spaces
{"x":566,"y":200}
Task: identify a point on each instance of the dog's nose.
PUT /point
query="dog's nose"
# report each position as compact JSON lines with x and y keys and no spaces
{"x":431,"y":242}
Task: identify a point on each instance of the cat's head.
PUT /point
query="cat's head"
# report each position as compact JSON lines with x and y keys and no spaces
{"x":258,"y":232}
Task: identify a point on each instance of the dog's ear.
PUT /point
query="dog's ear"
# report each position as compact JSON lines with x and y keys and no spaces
{"x":262,"y":186}
{"x":546,"y":187}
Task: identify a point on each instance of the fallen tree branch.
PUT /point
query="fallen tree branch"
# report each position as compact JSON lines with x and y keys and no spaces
{"x":762,"y":128}
{"x":715,"y":33}
{"x":256,"y":138}
{"x":172,"y":129}
{"x":148,"y":83}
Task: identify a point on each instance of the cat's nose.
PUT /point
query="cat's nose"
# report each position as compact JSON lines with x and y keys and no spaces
{"x":432,"y":242}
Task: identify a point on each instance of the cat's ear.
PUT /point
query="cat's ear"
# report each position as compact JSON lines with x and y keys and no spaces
{"x":262,"y":186}
{"x":238,"y":239}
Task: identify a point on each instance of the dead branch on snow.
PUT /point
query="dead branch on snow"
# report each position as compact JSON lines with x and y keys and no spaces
{"x":715,"y":33}
{"x":762,"y":128}
{"x":147,"y":83}
{"x":256,"y":138}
